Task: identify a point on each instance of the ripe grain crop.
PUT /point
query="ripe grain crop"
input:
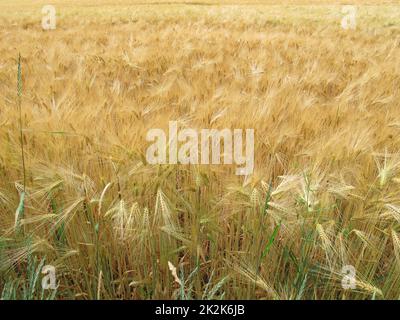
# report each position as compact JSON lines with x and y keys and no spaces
{"x":324,"y":104}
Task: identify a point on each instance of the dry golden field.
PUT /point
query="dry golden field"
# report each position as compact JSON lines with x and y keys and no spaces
{"x":325,"y":191}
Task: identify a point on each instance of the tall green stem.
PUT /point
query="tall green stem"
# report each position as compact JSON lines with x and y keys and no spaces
{"x":19,"y":89}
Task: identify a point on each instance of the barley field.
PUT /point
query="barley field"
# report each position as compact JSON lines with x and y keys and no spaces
{"x":77,"y":193}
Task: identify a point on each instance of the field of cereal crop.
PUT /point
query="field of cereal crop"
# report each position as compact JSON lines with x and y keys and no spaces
{"x":77,"y":192}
